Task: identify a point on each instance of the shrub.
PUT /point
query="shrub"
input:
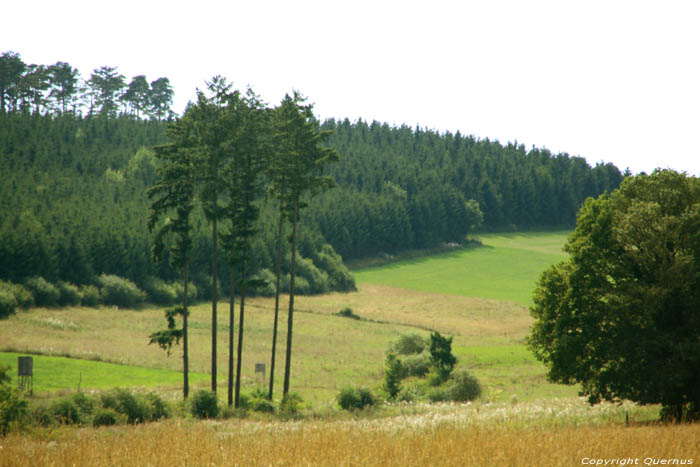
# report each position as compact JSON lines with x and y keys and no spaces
{"x":84,"y":404}
{"x":13,"y":408}
{"x":192,"y":292}
{"x":290,"y":403}
{"x":204,"y":404}
{"x":106,"y":417}
{"x":123,"y":402}
{"x":339,"y":277}
{"x":263,"y":405}
{"x":317,"y":280}
{"x":268,"y":290}
{"x":90,"y":295}
{"x":119,"y":291}
{"x":415,"y":365}
{"x":301,"y":286}
{"x":159,"y":292}
{"x":350,"y":398}
{"x":392,"y":375}
{"x":348,"y":313}
{"x":464,"y":387}
{"x":438,"y":395}
{"x":65,"y":411}
{"x":45,"y":293}
{"x":158,"y":408}
{"x":8,"y":303}
{"x":41,"y":415}
{"x":69,"y":294}
{"x":23,"y":296}
{"x":409,"y":344}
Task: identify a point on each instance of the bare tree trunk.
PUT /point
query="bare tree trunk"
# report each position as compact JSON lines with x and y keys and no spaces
{"x":230,"y":336}
{"x":214,"y":300}
{"x":185,"y":355}
{"x":277,"y":304}
{"x":292,"y":264}
{"x":241,"y":316}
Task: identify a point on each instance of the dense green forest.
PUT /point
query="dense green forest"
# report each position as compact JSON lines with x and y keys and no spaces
{"x":75,"y":179}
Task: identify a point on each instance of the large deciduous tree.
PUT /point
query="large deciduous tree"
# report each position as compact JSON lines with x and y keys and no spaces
{"x":622,"y":315}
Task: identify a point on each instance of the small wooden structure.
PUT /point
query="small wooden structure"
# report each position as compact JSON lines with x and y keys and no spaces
{"x":260,"y":368}
{"x":25,"y":373}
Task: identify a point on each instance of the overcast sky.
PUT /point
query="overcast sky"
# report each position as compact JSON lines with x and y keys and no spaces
{"x":612,"y":81}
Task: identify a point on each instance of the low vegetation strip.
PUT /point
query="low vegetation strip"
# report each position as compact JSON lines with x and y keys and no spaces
{"x":353,"y":442}
{"x":504,"y":267}
{"x":56,"y":373}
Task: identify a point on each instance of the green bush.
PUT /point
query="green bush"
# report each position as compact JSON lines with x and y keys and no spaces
{"x":41,"y":415}
{"x":464,"y":387}
{"x":65,"y":411}
{"x":392,"y":375}
{"x":290,"y":403}
{"x":90,"y":295}
{"x":84,"y":403}
{"x":268,"y":290}
{"x":317,"y":280}
{"x":106,"y":417}
{"x":351,"y":398}
{"x":23,"y":296}
{"x":118,"y":291}
{"x":45,"y":293}
{"x":69,"y":294}
{"x":192,"y":292}
{"x":441,"y":355}
{"x":8,"y":303}
{"x":264,"y":405}
{"x":409,"y":344}
{"x":159,"y":292}
{"x":415,"y":365}
{"x":204,"y":404}
{"x":339,"y":277}
{"x":438,"y":394}
{"x":13,"y":408}
{"x":124,"y":402}
{"x":158,"y":408}
{"x":348,"y":313}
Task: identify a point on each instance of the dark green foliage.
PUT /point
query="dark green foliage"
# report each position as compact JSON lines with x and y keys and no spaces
{"x":438,"y":394}
{"x":351,"y":398}
{"x":393,"y":373}
{"x":204,"y":404}
{"x":22,"y":296}
{"x":463,"y":387}
{"x":115,"y":290}
{"x":65,"y":411}
{"x":44,"y":293}
{"x":137,"y":409}
{"x":441,"y":355}
{"x":69,"y":294}
{"x":348,"y":313}
{"x":290,"y":404}
{"x":620,"y":316}
{"x":159,"y":292}
{"x":84,"y":403}
{"x":165,"y":338}
{"x":415,"y":365}
{"x":105,"y":417}
{"x":7,"y":303}
{"x":409,"y":344}
{"x":13,"y":408}
{"x":90,"y":295}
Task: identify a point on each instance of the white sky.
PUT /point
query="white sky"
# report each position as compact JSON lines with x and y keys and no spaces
{"x":613,"y":81}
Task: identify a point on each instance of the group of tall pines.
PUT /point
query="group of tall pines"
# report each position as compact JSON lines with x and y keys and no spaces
{"x":76,"y":167}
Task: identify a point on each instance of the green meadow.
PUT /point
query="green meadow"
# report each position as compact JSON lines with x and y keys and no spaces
{"x":503,"y":267}
{"x":478,"y":295}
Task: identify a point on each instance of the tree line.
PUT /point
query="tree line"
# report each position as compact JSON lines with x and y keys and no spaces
{"x":59,"y":89}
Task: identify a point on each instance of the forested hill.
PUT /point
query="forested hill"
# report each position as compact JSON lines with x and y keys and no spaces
{"x":411,"y":188}
{"x":74,"y":203}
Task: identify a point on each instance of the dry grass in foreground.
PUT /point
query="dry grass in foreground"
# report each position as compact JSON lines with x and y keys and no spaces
{"x":349,"y":443}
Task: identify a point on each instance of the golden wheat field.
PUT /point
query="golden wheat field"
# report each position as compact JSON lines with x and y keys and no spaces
{"x":424,"y":440}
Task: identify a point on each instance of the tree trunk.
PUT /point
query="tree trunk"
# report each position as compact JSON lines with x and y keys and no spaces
{"x":230,"y":337}
{"x":214,"y":300}
{"x":241,"y":316}
{"x":277,"y":303}
{"x":185,"y":355}
{"x":290,"y":319}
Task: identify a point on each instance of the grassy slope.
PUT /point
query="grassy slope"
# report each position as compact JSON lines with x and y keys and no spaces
{"x":330,"y":351}
{"x":506,"y":267}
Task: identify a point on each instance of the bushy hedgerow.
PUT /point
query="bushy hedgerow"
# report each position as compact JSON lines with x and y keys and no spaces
{"x":23,"y":296}
{"x":339,"y":277}
{"x":192,"y":292}
{"x":350,"y":398}
{"x":90,"y":295}
{"x":317,"y":279}
{"x":115,"y":290}
{"x":137,"y":408}
{"x":204,"y":404}
{"x":290,"y":404}
{"x":107,"y":417}
{"x":8,"y":303}
{"x":66,"y":412}
{"x":415,"y":365}
{"x":69,"y":294}
{"x":409,"y":344}
{"x":268,"y":290}
{"x":45,"y":293}
{"x":159,"y":292}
